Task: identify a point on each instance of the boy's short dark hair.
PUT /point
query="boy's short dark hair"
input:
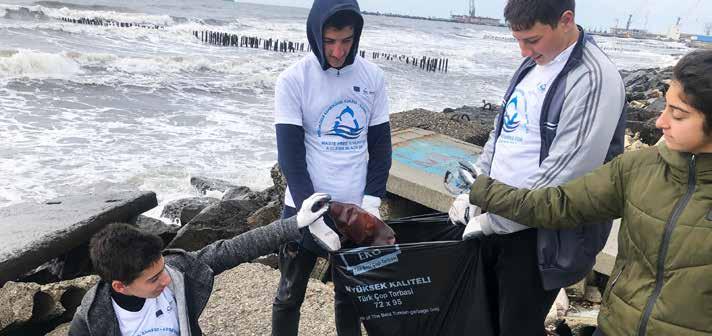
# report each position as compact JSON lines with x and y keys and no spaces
{"x":121,"y":252}
{"x":524,"y":14}
{"x":694,"y":73}
{"x":342,"y":19}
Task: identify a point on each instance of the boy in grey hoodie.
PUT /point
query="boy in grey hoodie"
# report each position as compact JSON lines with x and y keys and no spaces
{"x":147,"y":290}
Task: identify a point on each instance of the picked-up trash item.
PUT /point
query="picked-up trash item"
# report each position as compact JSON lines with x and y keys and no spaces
{"x":359,"y":226}
{"x":459,"y":177}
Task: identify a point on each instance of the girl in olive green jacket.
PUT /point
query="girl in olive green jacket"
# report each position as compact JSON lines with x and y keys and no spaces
{"x":661,"y":283}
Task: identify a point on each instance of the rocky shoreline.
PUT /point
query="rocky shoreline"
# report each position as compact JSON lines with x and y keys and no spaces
{"x":44,"y":299}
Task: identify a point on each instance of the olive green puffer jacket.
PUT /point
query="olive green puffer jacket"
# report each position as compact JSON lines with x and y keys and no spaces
{"x":661,"y":283}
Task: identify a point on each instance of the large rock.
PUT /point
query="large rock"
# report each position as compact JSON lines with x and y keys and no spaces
{"x":265,"y":215}
{"x":222,"y":220}
{"x":642,"y":122}
{"x":656,"y":106}
{"x":647,"y":79}
{"x":67,"y":295}
{"x":238,"y":193}
{"x":205,"y":184}
{"x":645,"y":90}
{"x":157,"y":227}
{"x":184,"y":209}
{"x":30,"y":302}
{"x":33,"y":233}
{"x":71,"y":265}
{"x":18,"y":303}
{"x":244,"y":193}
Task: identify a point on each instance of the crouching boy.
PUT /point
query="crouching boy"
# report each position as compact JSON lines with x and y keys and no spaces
{"x":145,"y":290}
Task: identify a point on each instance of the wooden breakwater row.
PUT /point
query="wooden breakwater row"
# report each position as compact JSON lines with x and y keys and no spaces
{"x":424,"y":63}
{"x":233,"y":40}
{"x":108,"y":23}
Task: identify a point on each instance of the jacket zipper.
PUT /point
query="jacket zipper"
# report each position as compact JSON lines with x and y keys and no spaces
{"x":338,"y":72}
{"x":613,"y":284}
{"x":669,"y":226}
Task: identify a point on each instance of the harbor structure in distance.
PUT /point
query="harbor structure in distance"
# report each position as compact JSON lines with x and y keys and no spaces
{"x":472,"y":18}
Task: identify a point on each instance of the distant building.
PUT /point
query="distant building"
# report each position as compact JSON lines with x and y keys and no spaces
{"x":474,"y":19}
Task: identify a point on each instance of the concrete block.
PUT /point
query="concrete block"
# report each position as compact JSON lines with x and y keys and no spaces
{"x":34,"y":233}
{"x":420,"y":160}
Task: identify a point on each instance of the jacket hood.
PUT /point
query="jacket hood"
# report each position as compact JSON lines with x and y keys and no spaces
{"x":321,"y":11}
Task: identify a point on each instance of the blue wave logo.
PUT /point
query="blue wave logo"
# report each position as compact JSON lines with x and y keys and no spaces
{"x":511,"y":123}
{"x":346,"y":125}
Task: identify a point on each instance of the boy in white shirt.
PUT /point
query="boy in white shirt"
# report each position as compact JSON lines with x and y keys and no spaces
{"x":145,"y":290}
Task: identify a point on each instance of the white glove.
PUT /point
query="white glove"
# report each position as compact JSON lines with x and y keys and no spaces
{"x":324,"y":235}
{"x":477,"y":227}
{"x":371,"y":204}
{"x":462,"y":211}
{"x":313,"y":208}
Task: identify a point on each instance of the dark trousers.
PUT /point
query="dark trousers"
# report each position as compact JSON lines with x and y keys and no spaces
{"x":517,"y":298}
{"x":295,"y":265}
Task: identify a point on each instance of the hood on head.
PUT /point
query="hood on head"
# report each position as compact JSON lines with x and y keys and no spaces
{"x":321,"y":11}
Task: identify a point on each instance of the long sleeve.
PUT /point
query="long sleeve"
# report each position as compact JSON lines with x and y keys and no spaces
{"x":291,"y":155}
{"x":228,"y":253}
{"x":484,"y":162}
{"x":379,"y":159}
{"x":596,"y":196}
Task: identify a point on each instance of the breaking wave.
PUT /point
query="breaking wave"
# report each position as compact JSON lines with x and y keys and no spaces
{"x":32,"y":64}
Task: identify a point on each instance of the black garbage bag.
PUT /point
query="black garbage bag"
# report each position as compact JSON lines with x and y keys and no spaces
{"x":417,"y":288}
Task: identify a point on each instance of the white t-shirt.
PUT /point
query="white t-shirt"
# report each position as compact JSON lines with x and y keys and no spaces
{"x":158,"y":317}
{"x":335,"y":108}
{"x":518,"y":146}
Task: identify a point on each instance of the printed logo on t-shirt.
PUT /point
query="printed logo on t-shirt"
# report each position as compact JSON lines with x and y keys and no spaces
{"x":364,"y":91}
{"x":342,"y":127}
{"x":158,"y":317}
{"x":515,"y":119}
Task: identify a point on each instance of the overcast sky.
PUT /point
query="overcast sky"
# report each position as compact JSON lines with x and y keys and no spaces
{"x":654,"y":15}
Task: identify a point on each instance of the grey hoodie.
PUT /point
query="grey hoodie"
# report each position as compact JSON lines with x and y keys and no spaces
{"x":192,"y":275}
